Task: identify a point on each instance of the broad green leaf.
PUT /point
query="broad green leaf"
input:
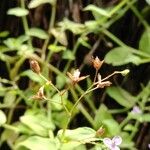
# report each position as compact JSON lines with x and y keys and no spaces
{"x":38,"y":143}
{"x":60,"y":36}
{"x":68,"y":54}
{"x":38,"y":123}
{"x":111,"y":126}
{"x":18,"y":11}
{"x":33,"y":76}
{"x":4,"y":34}
{"x":2,"y":118}
{"x":121,"y":96}
{"x":16,"y":43}
{"x":36,"y":3}
{"x":95,"y":9}
{"x":72,"y":145}
{"x":101,"y":115}
{"x":56,"y":48}
{"x":79,"y":134}
{"x":144,"y":44}
{"x":121,"y":56}
{"x":9,"y":98}
{"x":76,"y":28}
{"x":130,"y":127}
{"x":37,"y":32}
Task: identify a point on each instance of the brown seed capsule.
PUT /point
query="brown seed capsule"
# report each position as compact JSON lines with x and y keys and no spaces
{"x":34,"y":65}
{"x":100,"y":132}
{"x":97,"y":63}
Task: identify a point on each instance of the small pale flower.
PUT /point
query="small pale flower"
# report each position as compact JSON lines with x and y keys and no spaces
{"x":136,"y":110}
{"x":113,"y":144}
{"x":102,"y":84}
{"x":75,"y":77}
{"x":149,"y":146}
{"x":40,"y":94}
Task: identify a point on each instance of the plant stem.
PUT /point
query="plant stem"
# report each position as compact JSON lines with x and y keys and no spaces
{"x":51,"y":24}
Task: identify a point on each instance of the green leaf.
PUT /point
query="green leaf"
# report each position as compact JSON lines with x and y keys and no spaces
{"x":68,"y":54}
{"x":9,"y":98}
{"x":4,"y":34}
{"x":148,"y":2}
{"x":18,"y":11}
{"x":38,"y":143}
{"x":33,"y":76}
{"x":121,"y":96}
{"x":56,"y":101}
{"x":38,"y":123}
{"x":37,"y":32}
{"x":60,"y":82}
{"x":140,"y":117}
{"x":75,"y":28}
{"x":95,"y":9}
{"x":79,"y":134}
{"x":56,"y":48}
{"x":71,"y":145}
{"x":60,"y":36}
{"x":121,"y":56}
{"x":57,"y":117}
{"x":111,"y":126}
{"x":101,"y":114}
{"x":144,"y":44}
{"x":36,"y":3}
{"x":2,"y":118}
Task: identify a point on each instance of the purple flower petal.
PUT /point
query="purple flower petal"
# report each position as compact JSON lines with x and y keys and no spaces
{"x":117,"y":140}
{"x":107,"y":142}
{"x":115,"y":148}
{"x":136,"y":110}
{"x":149,"y":146}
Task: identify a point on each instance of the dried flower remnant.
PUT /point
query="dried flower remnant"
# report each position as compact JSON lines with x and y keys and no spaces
{"x":75,"y":77}
{"x":34,"y":65}
{"x":40,"y":94}
{"x":102,"y":84}
{"x":97,"y":63}
{"x":114,"y":143}
{"x":136,"y":110}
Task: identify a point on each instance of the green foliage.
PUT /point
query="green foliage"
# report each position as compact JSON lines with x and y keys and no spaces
{"x":52,"y":111}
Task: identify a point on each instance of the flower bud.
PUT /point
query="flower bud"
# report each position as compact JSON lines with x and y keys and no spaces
{"x":34,"y":65}
{"x":125,"y":72}
{"x":97,"y":63}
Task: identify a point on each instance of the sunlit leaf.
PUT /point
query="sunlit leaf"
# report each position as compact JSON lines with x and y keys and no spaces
{"x":36,"y":3}
{"x":148,"y":1}
{"x":38,"y":143}
{"x":38,"y":123}
{"x":56,"y":49}
{"x":18,"y":11}
{"x":60,"y":36}
{"x":60,"y":81}
{"x":68,"y":54}
{"x":78,"y":134}
{"x":95,"y":9}
{"x":9,"y":98}
{"x":2,"y":118}
{"x":121,"y":96}
{"x":144,"y":44}
{"x":121,"y":56}
{"x":37,"y":32}
{"x":76,"y":28}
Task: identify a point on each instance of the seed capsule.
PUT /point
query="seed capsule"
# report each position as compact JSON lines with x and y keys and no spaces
{"x":34,"y":65}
